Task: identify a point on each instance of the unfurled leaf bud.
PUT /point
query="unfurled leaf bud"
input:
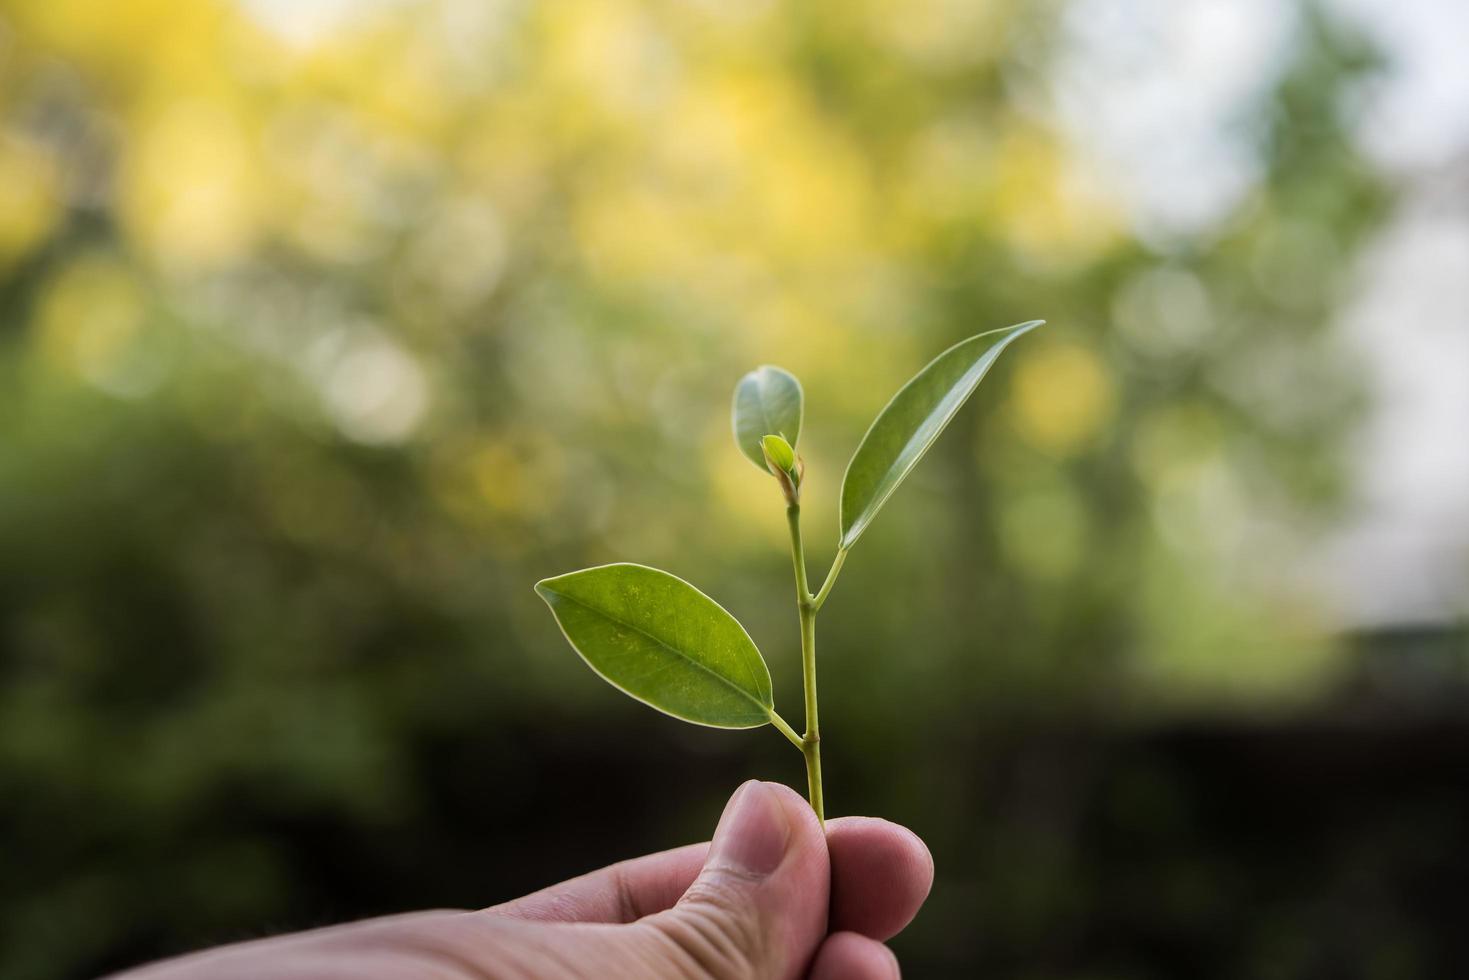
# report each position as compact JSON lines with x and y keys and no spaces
{"x":784,"y":465}
{"x":779,"y":456}
{"x":768,"y":399}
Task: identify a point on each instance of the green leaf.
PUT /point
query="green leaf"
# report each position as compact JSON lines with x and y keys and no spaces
{"x":663,"y":642}
{"x":767,"y":401}
{"x":909,"y":424}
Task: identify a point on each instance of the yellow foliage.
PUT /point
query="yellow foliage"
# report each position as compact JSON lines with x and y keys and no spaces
{"x":939,"y":34}
{"x":499,"y":478}
{"x":1044,"y":205}
{"x":136,"y":39}
{"x":29,"y":197}
{"x":744,"y":497}
{"x":1062,"y":398}
{"x":191,"y":191}
{"x":90,"y":316}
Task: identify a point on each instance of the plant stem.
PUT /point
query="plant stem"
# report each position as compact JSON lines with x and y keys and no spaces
{"x":806,"y":606}
{"x":831,"y":579}
{"x":785,"y":729}
{"x":811,"y":741}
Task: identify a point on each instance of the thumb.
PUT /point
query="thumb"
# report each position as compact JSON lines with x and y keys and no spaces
{"x":758,"y":907}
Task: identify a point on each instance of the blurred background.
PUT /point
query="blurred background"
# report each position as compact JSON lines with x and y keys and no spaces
{"x":328,"y":327}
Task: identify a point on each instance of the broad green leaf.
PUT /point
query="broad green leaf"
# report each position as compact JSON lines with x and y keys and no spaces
{"x":909,"y":424}
{"x":767,"y":401}
{"x":663,"y":642}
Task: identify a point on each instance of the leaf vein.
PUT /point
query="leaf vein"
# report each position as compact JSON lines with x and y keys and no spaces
{"x":671,"y":649}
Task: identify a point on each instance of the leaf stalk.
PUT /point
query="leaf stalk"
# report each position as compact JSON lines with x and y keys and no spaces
{"x":819,"y":600}
{"x":782,"y":726}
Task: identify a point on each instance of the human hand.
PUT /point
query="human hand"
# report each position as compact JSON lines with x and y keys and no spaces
{"x":770,"y":897}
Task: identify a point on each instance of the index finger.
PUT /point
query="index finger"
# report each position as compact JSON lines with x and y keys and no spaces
{"x":622,"y":892}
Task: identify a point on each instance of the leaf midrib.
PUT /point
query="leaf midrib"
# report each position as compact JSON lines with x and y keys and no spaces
{"x":764,"y":709}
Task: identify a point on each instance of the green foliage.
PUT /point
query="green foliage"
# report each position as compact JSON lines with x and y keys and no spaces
{"x":767,"y":401}
{"x":906,"y":428}
{"x":658,"y":639}
{"x":664,"y":642}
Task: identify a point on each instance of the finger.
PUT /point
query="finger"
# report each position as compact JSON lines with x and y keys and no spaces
{"x":759,"y":905}
{"x":848,"y":956}
{"x":880,"y":875}
{"x":622,"y":892}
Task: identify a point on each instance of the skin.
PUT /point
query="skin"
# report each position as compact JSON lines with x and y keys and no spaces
{"x":771,"y":896}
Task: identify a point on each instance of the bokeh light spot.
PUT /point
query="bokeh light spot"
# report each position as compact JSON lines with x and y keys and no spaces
{"x":1061,"y":398}
{"x":92,"y":324}
{"x":376,"y":392}
{"x":29,"y":198}
{"x":190,"y":192}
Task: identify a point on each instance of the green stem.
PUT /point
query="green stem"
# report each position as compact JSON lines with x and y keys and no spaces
{"x":806,"y":606}
{"x":811,"y":741}
{"x":819,"y":599}
{"x":786,"y":730}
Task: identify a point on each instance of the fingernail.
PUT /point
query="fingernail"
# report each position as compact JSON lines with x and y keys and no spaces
{"x":753,"y":832}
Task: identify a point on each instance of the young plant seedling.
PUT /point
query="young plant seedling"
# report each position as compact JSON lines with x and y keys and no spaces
{"x":665,"y":643}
